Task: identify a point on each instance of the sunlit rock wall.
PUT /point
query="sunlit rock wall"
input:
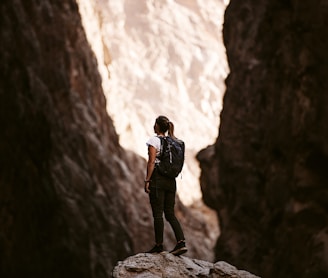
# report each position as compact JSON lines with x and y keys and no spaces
{"x":144,"y":50}
{"x":163,"y":57}
{"x":267,"y":173}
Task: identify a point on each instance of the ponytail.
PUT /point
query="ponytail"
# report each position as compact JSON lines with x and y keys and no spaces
{"x":171,"y":130}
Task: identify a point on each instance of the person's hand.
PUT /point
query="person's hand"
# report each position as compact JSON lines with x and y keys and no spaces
{"x":147,"y":190}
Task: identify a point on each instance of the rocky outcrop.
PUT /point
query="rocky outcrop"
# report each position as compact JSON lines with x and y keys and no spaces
{"x":271,"y":158}
{"x":71,"y":199}
{"x":62,"y":168}
{"x":168,"y":265}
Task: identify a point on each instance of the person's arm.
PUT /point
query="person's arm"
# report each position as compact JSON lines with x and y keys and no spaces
{"x":150,"y":166}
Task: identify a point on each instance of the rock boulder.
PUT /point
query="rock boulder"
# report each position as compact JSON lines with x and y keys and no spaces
{"x":170,"y":266}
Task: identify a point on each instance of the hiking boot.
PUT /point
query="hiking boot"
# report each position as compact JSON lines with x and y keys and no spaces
{"x":158,"y":248}
{"x":179,"y":249}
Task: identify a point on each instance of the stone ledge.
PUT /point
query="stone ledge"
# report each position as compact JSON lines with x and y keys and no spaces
{"x":169,"y":266}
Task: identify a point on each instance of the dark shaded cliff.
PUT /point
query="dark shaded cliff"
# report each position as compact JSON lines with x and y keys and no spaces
{"x":71,"y":199}
{"x":267,"y":175}
{"x":60,"y":159}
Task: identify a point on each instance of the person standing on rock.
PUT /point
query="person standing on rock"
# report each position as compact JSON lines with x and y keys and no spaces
{"x":162,"y":190}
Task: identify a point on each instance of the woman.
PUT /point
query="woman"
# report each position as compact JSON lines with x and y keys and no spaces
{"x":162,"y":190}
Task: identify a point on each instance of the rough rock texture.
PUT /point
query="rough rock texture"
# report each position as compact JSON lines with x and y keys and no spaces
{"x":71,"y":199}
{"x":61,"y":166}
{"x":169,"y":266}
{"x":267,"y":173}
{"x":163,"y":57}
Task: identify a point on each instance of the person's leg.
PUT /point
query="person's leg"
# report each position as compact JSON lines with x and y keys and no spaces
{"x":169,"y":203}
{"x":156,"y":197}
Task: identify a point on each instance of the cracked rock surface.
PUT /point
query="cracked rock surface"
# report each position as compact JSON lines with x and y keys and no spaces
{"x":170,"y":266}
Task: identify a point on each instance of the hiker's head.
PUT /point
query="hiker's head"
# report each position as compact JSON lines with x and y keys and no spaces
{"x":163,"y":124}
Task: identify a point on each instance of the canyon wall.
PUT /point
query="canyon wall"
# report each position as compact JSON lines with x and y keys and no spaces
{"x":161,"y":57}
{"x":71,"y":198}
{"x":267,"y":173}
{"x":61,"y":164}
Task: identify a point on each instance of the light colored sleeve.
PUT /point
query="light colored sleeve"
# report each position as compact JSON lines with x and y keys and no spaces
{"x":155,"y":142}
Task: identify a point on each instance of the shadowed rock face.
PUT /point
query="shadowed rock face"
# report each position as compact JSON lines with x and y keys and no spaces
{"x":61,"y":165}
{"x":271,"y":157}
{"x":71,"y":199}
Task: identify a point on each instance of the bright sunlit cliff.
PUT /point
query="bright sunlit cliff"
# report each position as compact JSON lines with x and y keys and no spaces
{"x":161,"y":57}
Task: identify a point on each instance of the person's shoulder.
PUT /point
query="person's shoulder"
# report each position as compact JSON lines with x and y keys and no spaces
{"x":154,"y":140}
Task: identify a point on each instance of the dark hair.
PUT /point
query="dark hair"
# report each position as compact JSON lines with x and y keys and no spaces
{"x":165,"y":124}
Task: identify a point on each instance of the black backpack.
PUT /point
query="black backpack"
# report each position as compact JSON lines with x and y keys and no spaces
{"x":171,"y":157}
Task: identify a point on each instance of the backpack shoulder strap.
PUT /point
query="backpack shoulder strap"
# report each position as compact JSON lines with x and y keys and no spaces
{"x":162,"y":146}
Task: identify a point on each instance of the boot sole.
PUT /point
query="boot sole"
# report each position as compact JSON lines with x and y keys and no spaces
{"x":180,"y":251}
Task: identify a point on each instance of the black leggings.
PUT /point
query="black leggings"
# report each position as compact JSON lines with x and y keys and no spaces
{"x":163,"y":200}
